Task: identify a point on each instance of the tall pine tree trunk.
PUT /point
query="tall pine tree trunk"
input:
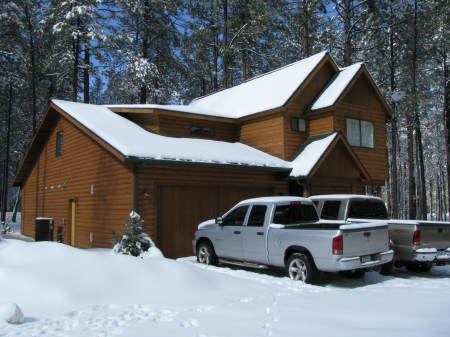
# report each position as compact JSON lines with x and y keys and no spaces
{"x":87,"y":66}
{"x":226,"y":54}
{"x":305,"y":31}
{"x":145,"y":44}
{"x":347,"y":32}
{"x":33,"y":65}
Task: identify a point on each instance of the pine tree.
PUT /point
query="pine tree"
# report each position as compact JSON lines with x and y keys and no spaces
{"x":133,"y":241}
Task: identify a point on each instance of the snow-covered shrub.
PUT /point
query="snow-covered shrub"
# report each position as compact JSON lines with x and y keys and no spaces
{"x":133,"y":241}
{"x":11,"y":313}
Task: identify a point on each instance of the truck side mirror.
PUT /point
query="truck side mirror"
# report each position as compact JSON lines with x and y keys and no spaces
{"x":219,"y":220}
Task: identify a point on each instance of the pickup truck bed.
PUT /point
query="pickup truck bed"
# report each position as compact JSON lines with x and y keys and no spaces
{"x":417,"y":244}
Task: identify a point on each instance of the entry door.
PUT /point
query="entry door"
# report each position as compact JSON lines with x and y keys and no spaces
{"x":227,"y":240}
{"x":73,"y":221}
{"x":254,"y":235}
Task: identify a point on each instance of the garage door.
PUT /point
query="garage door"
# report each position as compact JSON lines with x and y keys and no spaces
{"x":182,"y":208}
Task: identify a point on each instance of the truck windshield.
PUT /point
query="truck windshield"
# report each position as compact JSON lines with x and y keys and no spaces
{"x":294,"y":214}
{"x":367,"y":209}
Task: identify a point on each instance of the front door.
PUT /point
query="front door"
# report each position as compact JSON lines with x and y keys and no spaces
{"x":227,"y":240}
{"x":254,"y":235}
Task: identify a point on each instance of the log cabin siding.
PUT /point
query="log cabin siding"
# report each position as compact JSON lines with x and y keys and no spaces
{"x":175,"y":126}
{"x":266,"y":135}
{"x":54,"y":181}
{"x":148,"y":121}
{"x":373,"y":159}
{"x":321,"y":125}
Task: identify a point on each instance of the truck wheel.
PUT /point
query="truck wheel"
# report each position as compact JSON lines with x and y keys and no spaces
{"x":301,"y":268}
{"x":386,"y":269}
{"x":206,"y":254}
{"x":354,"y":274}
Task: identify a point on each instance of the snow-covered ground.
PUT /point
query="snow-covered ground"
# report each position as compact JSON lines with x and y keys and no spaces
{"x":64,"y":291}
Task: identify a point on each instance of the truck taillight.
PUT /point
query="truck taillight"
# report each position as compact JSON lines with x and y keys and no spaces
{"x":416,"y":237}
{"x":338,"y":245}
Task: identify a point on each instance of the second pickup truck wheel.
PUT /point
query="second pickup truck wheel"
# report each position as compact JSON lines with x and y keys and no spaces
{"x":418,"y":267}
{"x":206,"y":254}
{"x":300,"y":267}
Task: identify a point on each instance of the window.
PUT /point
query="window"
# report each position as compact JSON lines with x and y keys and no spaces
{"x":257,"y":215}
{"x":367,"y":209}
{"x":359,"y":132}
{"x":330,"y":210}
{"x":294,"y":214}
{"x":202,"y":131}
{"x":236,"y":217}
{"x":59,"y":143}
{"x":298,"y":124}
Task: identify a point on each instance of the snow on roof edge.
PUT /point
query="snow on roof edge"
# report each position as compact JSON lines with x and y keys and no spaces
{"x":131,"y":140}
{"x":307,"y":159}
{"x":336,"y":87}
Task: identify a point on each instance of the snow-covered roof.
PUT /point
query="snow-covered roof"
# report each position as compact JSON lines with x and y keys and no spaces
{"x":311,"y":153}
{"x":344,"y":196}
{"x":131,"y":140}
{"x":265,"y":92}
{"x":275,"y":199}
{"x":332,"y":93}
{"x":179,"y":108}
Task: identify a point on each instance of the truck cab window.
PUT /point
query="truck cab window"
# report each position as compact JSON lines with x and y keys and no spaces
{"x":294,"y":214}
{"x":330,"y":210}
{"x":236,"y":217}
{"x":257,"y":215}
{"x":367,"y":209}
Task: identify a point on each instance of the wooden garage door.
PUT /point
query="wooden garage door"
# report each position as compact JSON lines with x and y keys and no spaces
{"x":182,"y":208}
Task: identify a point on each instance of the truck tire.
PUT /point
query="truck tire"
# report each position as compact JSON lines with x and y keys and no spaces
{"x":301,"y":267}
{"x":206,"y":254}
{"x":354,"y":274}
{"x":386,"y":269}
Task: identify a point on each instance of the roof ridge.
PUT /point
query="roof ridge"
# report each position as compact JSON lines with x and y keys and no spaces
{"x":259,"y":76}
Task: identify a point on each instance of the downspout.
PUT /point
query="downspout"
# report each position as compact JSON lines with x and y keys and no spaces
{"x":136,"y":170}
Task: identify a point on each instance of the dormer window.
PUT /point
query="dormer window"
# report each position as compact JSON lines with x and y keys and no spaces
{"x":59,"y":143}
{"x":203,"y":131}
{"x":298,"y":124}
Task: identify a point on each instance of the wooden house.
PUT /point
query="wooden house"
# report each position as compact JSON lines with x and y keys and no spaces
{"x":307,"y":128}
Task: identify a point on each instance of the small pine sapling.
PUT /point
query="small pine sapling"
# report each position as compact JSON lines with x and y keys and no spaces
{"x":133,"y":241}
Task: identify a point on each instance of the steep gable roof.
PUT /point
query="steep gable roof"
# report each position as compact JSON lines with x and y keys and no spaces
{"x":128,"y":141}
{"x":341,"y":83}
{"x":265,"y":92}
{"x":313,"y":152}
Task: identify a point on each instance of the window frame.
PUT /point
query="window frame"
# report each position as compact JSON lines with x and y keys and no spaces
{"x":295,"y":124}
{"x":59,"y":143}
{"x":210,"y":131}
{"x":359,"y":120}
{"x":250,"y":214}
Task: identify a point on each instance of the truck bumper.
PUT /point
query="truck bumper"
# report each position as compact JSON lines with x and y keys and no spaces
{"x":194,"y":244}
{"x":355,"y":262}
{"x":439,"y":257}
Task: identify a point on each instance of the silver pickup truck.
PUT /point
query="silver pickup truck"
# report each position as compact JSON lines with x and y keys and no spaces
{"x":285,"y":232}
{"x":417,"y":244}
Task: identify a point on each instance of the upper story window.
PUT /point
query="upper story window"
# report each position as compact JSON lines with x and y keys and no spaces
{"x":360,"y":132}
{"x":298,"y":124}
{"x":202,"y":131}
{"x":59,"y":143}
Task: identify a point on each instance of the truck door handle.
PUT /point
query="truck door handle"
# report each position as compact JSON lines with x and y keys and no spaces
{"x":259,"y":233}
{"x":236,"y":232}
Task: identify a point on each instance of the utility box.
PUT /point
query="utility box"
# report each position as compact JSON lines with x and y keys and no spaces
{"x":43,"y":229}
